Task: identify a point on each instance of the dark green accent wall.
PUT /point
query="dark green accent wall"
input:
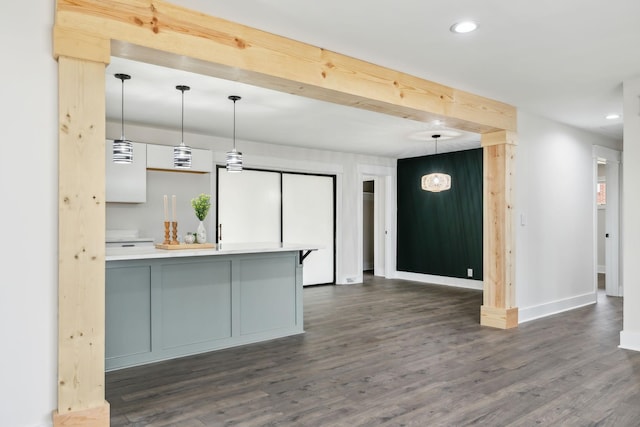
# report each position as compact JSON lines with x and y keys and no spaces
{"x":441,"y":233}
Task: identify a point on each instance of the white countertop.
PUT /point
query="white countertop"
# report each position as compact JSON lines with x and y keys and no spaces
{"x":132,"y":253}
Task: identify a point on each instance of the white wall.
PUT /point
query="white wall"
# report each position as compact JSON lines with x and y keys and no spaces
{"x":630,"y":335}
{"x":29,"y":215}
{"x":148,"y":218}
{"x":554,"y":193}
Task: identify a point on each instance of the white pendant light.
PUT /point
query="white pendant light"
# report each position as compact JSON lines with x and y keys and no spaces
{"x":437,"y":181}
{"x":122,"y":148}
{"x":234,"y":157}
{"x":182,"y":152}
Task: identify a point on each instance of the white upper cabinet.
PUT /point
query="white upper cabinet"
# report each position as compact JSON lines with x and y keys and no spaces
{"x":161,"y":157}
{"x":127,"y":183}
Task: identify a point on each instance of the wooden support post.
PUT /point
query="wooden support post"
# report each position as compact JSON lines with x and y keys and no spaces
{"x":158,"y":32}
{"x":81,"y":237}
{"x":498,"y":309}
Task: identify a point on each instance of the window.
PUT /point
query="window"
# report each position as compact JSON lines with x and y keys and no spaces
{"x":601,"y":194}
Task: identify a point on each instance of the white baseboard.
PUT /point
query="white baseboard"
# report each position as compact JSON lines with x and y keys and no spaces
{"x":439,"y":280}
{"x":350,"y":280}
{"x":630,"y":340}
{"x":602,"y":269}
{"x":526,"y":314}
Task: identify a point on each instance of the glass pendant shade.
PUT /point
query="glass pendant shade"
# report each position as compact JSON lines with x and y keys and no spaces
{"x":437,"y":181}
{"x":234,"y":161}
{"x":182,"y":153}
{"x":234,"y":157}
{"x":182,"y":156}
{"x":122,"y":148}
{"x":122,"y":151}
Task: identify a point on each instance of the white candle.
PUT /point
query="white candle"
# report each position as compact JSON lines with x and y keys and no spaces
{"x":173,"y":206}
{"x":166,"y":208}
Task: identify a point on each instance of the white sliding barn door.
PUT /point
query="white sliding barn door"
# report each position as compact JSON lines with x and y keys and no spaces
{"x":308,"y":217}
{"x":249,"y":206}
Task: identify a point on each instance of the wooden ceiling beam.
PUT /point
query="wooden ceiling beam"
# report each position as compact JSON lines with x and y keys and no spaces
{"x":165,"y":34}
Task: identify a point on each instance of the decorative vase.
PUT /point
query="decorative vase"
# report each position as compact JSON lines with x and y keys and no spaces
{"x":189,"y":238}
{"x":201,"y":233}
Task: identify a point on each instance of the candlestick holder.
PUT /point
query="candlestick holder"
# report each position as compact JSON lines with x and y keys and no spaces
{"x":174,"y":233}
{"x":166,"y":233}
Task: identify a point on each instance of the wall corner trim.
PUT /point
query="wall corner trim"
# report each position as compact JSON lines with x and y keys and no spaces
{"x":558,"y":306}
{"x":630,"y":340}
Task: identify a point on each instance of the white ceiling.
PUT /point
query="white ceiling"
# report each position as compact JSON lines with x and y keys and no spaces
{"x":565,"y":60}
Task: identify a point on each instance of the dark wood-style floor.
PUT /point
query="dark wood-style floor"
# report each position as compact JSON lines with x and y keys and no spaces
{"x":396,"y":353}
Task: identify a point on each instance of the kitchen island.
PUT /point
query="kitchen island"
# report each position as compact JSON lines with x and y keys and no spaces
{"x":162,"y":304}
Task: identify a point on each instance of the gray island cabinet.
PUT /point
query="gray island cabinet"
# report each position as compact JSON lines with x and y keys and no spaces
{"x":164,"y":304}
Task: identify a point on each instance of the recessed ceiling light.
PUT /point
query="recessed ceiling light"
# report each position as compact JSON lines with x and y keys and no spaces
{"x":463,"y":27}
{"x":612,"y":116}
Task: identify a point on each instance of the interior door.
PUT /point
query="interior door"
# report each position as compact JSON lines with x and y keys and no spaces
{"x":308,"y":217}
{"x":249,"y":206}
{"x":612,"y":221}
{"x":613,"y":166}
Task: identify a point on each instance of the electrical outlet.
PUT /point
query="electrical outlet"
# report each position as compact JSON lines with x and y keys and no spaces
{"x":469,"y":272}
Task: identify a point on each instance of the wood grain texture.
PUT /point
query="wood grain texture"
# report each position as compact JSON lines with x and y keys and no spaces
{"x":80,"y":45}
{"x":397,"y":353}
{"x":503,"y":318}
{"x":225,"y":49}
{"x":498,"y":230}
{"x":81,"y":250}
{"x":93,"y":417}
{"x":499,"y":138}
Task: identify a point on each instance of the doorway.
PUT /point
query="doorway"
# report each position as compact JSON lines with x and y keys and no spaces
{"x":375,"y":229}
{"x":607,"y":220}
{"x":368,"y":229}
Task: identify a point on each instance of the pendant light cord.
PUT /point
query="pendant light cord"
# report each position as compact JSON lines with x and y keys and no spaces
{"x":436,"y":138}
{"x":182,"y":88}
{"x":182,"y":124}
{"x":234,"y":124}
{"x":122,"y":112}
{"x":122,"y":78}
{"x":234,"y":98}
